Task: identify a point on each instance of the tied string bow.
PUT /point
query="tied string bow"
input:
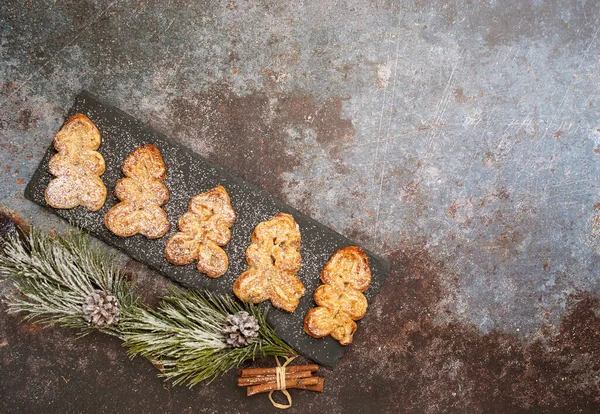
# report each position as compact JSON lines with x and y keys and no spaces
{"x":280,"y":378}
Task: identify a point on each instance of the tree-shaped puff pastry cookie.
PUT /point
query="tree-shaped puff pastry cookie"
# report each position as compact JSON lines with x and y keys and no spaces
{"x":202,"y":230}
{"x":141,"y":193}
{"x":273,"y":260}
{"x":77,"y":166}
{"x":340,"y":300}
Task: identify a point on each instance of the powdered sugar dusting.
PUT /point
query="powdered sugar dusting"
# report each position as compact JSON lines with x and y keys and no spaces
{"x":189,"y":174}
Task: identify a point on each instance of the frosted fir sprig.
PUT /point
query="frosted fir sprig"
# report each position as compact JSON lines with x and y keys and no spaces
{"x":54,"y":275}
{"x":69,"y":281}
{"x":187,"y":336}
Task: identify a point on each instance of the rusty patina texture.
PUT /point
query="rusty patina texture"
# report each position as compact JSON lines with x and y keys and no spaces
{"x":459,"y":140}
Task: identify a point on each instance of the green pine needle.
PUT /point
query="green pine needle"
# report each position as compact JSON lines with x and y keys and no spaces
{"x":54,"y":274}
{"x":185,"y":336}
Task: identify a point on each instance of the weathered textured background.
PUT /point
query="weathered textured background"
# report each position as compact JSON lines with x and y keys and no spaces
{"x":462,"y":141}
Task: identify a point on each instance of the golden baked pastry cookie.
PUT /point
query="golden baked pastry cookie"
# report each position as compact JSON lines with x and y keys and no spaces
{"x":339,"y":300}
{"x":273,"y":260}
{"x":141,"y":193}
{"x":77,"y":166}
{"x":202,"y":230}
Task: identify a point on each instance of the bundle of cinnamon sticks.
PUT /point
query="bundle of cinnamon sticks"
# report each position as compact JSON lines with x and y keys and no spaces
{"x":265,"y":379}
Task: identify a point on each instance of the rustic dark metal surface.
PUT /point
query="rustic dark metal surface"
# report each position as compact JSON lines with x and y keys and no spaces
{"x":458,"y":139}
{"x":189,"y":174}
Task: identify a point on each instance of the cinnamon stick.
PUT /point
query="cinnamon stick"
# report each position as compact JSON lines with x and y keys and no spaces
{"x":317,"y":388}
{"x":263,"y":379}
{"x":312,"y":383}
{"x":253,"y":372}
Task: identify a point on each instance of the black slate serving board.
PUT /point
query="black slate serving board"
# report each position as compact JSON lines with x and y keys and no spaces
{"x":189,"y":174}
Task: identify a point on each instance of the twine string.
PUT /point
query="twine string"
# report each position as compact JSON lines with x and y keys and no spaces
{"x":280,"y":378}
{"x":280,"y":372}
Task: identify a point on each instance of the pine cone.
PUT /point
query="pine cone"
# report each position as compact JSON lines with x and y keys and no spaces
{"x":241,"y":329}
{"x":101,"y":309}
